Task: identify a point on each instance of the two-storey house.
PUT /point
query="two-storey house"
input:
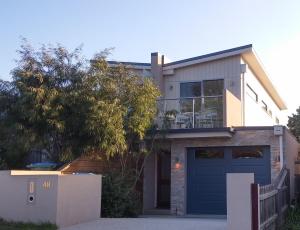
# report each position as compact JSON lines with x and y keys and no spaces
{"x":218,"y":113}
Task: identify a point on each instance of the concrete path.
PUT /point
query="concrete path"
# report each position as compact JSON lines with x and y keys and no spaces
{"x":152,"y":224}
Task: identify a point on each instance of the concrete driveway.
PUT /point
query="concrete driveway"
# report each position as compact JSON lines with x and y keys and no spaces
{"x":152,"y":223}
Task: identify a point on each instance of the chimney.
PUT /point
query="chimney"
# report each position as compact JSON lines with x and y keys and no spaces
{"x":157,"y":61}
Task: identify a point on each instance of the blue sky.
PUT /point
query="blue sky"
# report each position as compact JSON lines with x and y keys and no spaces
{"x":178,"y":29}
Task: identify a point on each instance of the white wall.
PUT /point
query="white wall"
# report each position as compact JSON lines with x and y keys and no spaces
{"x":255,"y":115}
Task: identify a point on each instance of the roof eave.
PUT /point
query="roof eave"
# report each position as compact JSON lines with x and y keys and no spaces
{"x":208,"y":57}
{"x":132,"y":65}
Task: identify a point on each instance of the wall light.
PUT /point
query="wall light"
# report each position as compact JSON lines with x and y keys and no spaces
{"x":177,"y":163}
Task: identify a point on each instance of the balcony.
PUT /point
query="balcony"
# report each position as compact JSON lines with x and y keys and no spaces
{"x":190,"y":112}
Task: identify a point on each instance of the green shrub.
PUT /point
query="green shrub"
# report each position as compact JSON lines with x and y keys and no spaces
{"x":293,"y":219}
{"x":3,"y":165}
{"x":119,"y":197}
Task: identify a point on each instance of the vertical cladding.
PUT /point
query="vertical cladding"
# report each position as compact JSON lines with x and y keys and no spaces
{"x":227,"y":69}
{"x":240,"y":138}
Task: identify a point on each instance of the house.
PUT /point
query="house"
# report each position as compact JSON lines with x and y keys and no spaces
{"x":219,"y":113}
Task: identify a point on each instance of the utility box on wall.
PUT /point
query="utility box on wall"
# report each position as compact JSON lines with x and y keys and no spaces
{"x":49,"y":196}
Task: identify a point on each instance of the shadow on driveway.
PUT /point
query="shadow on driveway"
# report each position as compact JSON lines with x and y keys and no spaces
{"x":151,"y":224}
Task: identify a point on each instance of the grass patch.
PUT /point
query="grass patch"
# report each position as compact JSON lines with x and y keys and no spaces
{"x":293,"y":219}
{"x":5,"y":225}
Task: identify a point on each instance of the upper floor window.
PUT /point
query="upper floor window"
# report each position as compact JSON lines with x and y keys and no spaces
{"x":213,"y":87}
{"x":252,"y":93}
{"x":204,"y":88}
{"x":190,"y":89}
{"x":264,"y":106}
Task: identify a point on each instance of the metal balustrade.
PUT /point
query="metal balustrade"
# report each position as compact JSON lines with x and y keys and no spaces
{"x":190,"y":112}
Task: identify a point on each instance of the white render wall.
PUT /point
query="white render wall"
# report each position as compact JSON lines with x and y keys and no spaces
{"x":255,"y":115}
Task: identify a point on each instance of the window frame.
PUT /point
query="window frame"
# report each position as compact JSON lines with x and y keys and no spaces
{"x":203,"y":82}
{"x":187,"y":82}
{"x":202,"y":86}
{"x":253,"y":91}
{"x":265,"y":106}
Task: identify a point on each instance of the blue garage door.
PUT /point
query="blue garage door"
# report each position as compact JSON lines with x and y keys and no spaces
{"x":206,"y":174}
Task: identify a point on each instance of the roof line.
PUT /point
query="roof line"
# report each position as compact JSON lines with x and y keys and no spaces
{"x":196,"y":130}
{"x":129,"y":63}
{"x":209,"y":55}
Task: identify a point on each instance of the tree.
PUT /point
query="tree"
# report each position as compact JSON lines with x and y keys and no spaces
{"x":70,"y":106}
{"x":294,"y":124}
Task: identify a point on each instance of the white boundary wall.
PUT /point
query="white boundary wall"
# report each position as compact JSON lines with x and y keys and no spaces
{"x":33,"y":196}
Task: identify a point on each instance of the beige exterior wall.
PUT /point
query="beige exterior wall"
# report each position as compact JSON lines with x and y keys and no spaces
{"x":254,"y":113}
{"x":14,"y":203}
{"x":240,"y":138}
{"x":238,"y":186}
{"x":78,"y":199}
{"x":60,"y":199}
{"x":232,"y":110}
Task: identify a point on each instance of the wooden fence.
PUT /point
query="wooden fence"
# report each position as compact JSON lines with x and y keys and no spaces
{"x":270,"y":203}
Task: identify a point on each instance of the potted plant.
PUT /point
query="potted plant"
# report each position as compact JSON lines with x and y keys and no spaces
{"x":169,"y":118}
{"x":171,"y":114}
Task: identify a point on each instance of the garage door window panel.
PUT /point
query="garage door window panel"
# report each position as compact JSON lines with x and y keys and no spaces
{"x":253,"y":152}
{"x":209,"y":153}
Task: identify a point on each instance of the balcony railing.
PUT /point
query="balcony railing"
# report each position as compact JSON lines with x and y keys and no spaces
{"x":190,"y":112}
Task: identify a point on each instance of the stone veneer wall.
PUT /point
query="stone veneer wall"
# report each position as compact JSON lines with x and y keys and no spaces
{"x":241,"y":137}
